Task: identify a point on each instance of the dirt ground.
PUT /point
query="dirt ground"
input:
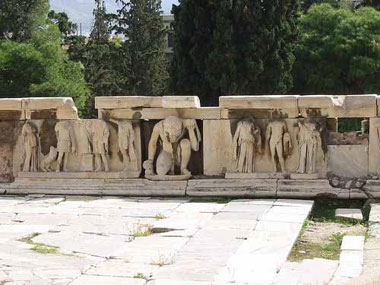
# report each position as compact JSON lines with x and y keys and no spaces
{"x":323,"y":240}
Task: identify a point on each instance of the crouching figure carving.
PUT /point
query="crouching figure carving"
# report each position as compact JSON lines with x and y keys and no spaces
{"x":178,"y":137}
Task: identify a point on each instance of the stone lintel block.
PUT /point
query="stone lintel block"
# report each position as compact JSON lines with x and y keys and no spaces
{"x":232,"y":187}
{"x":260,"y":107}
{"x":259,"y":102}
{"x":67,"y":113}
{"x":47,"y":103}
{"x":181,"y":102}
{"x":204,"y":113}
{"x":127,"y":102}
{"x":338,"y":106}
{"x":309,"y":189}
{"x":10,"y":104}
{"x":130,"y":102}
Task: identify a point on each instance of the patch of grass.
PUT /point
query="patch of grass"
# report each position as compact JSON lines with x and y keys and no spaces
{"x":159,"y":216}
{"x":141,"y":276}
{"x":307,"y":250}
{"x":142,"y":231}
{"x":324,"y":210}
{"x":162,"y":261}
{"x":41,"y":247}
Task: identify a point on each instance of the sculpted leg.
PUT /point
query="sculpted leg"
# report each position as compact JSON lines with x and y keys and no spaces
{"x":98,"y":163}
{"x":65,"y":159}
{"x":302,"y":159}
{"x":249,"y":158}
{"x":280,"y":154}
{"x":185,"y":156}
{"x":125,"y":158}
{"x":164,"y":163}
{"x":310,"y":158}
{"x":105,"y":162}
{"x":27,"y":161}
{"x":273,"y":156}
{"x":59,"y":161}
{"x":242,"y":158}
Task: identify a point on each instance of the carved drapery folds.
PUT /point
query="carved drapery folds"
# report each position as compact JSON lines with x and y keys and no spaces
{"x":32,"y":148}
{"x":177,"y":138}
{"x":309,"y":143}
{"x":247,"y":143}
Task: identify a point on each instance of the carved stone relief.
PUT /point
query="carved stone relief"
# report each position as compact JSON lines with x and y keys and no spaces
{"x":127,"y":143}
{"x":177,"y":138}
{"x":65,"y":143}
{"x":309,"y":143}
{"x":246,"y":144}
{"x":278,"y":143}
{"x":32,"y":148}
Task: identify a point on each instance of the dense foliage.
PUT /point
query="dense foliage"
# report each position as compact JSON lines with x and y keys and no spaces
{"x":338,"y":51}
{"x":140,"y":23}
{"x":233,"y":47}
{"x":32,"y":61}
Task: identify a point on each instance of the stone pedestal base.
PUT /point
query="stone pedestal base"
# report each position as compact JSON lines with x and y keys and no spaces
{"x":305,"y":176}
{"x":238,"y":175}
{"x":79,"y":175}
{"x":168,"y":177}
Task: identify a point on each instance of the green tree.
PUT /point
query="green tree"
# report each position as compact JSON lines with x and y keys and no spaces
{"x":306,"y":4}
{"x":20,"y":18}
{"x":371,"y":3}
{"x":141,"y":24}
{"x":103,"y":60}
{"x":32,"y":61}
{"x":338,"y":51}
{"x":101,"y":29}
{"x":66,"y":27}
{"x":233,"y":47}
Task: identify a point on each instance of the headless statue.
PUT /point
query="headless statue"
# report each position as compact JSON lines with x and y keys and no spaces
{"x":278,"y":138}
{"x":246,"y":142}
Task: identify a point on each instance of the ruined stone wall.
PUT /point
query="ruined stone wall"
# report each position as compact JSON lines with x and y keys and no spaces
{"x":263,"y":139}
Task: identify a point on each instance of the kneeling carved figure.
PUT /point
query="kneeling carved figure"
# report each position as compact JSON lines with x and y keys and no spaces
{"x":177,"y":138}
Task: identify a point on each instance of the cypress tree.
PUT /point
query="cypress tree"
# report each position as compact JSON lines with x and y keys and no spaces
{"x":141,"y":24}
{"x":233,"y":47}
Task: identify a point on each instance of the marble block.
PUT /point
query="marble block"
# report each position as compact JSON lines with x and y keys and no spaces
{"x":265,"y":106}
{"x":338,"y":106}
{"x":355,"y":214}
{"x":350,"y":161}
{"x":217,"y":147}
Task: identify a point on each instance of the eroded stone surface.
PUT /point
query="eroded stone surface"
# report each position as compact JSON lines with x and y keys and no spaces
{"x":112,"y":240}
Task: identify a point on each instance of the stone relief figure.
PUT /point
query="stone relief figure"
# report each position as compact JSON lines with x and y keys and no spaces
{"x":99,"y":132}
{"x":65,"y":143}
{"x":246,"y":143}
{"x":32,"y":148}
{"x":48,"y":160}
{"x":176,"y":148}
{"x":309,"y":141}
{"x":279,"y":142}
{"x":126,"y":141}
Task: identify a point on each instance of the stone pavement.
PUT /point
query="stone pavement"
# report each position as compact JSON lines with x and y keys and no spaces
{"x":112,"y":240}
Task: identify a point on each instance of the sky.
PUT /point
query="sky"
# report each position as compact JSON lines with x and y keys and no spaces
{"x":80,"y":11}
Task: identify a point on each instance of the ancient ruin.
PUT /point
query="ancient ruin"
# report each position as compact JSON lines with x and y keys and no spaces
{"x":254,"y":146}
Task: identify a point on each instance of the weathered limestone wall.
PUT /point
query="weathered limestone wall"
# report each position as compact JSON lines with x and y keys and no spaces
{"x":248,"y":146}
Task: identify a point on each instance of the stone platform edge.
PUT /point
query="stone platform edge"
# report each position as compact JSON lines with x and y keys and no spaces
{"x":233,"y":188}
